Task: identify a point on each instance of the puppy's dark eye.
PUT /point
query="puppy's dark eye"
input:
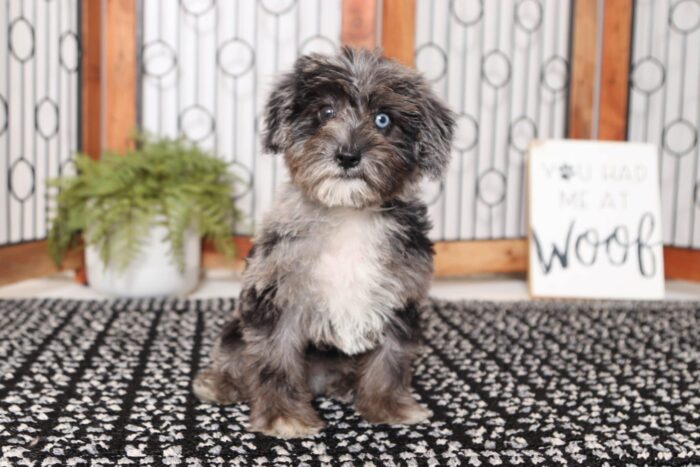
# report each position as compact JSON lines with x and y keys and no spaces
{"x":382,"y":121}
{"x":326,"y":113}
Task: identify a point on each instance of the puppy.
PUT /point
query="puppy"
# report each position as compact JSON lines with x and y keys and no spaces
{"x":342,"y":264}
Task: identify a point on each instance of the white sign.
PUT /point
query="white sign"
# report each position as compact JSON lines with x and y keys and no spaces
{"x":594,"y":220}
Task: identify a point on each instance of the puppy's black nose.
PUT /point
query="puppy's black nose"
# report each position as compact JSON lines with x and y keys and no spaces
{"x":348,"y":160}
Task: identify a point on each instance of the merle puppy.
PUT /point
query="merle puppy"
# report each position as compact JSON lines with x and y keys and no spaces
{"x":342,"y":264}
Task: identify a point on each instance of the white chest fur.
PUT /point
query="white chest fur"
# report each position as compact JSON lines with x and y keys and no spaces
{"x":353,"y":287}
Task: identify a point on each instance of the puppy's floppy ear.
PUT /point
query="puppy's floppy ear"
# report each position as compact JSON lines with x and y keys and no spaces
{"x":276,"y":135}
{"x":435,"y":134}
{"x":288,"y":97}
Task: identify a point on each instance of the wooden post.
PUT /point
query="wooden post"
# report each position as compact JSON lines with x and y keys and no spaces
{"x":109,"y":70}
{"x":119,"y":73}
{"x":359,"y":23}
{"x":91,"y":94}
{"x":583,"y":58}
{"x":615,"y":70}
{"x":91,"y":40}
{"x":399,"y":30}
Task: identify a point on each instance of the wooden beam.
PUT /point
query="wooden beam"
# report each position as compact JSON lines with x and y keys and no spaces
{"x":583,"y":58}
{"x":399,"y":30}
{"x":91,"y":13}
{"x":681,"y":263}
{"x":615,"y":69}
{"x":29,"y":260}
{"x":91,"y":91}
{"x":462,"y":258}
{"x":109,"y":80}
{"x":359,"y":23}
{"x":212,"y":259}
{"x":119,"y":73}
{"x":452,"y":259}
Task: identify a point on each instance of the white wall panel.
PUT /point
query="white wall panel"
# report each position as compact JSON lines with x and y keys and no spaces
{"x":503,"y":66}
{"x":664,"y":107}
{"x":208,"y":67}
{"x":39,"y":109}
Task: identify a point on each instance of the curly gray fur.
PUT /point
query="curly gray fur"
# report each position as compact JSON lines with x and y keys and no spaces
{"x":342,"y":264}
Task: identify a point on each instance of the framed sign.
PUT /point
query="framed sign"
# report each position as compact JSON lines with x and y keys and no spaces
{"x":594,"y":220}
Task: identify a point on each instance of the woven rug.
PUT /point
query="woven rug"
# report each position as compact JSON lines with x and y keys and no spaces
{"x":107,"y":382}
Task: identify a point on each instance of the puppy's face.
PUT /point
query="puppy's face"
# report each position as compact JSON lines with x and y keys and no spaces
{"x":357,"y":129}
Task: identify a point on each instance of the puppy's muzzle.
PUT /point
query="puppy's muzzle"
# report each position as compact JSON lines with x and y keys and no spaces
{"x":347,"y":160}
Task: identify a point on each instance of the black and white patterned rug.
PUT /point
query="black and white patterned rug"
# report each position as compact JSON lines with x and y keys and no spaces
{"x":107,"y":382}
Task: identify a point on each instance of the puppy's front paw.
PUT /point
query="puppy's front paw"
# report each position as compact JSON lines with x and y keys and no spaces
{"x":289,"y":427}
{"x":392,"y":412}
{"x":215,"y":387}
{"x":413,"y":414}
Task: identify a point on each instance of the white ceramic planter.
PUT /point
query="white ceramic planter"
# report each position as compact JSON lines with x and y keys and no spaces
{"x":152,"y":274}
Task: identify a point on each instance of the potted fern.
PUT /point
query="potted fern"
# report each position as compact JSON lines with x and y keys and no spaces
{"x":141,"y":216}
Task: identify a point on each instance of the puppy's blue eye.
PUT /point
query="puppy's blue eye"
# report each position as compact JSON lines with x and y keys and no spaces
{"x":326,"y":112}
{"x":382,"y":121}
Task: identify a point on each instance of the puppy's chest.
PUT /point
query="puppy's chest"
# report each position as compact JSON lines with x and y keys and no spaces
{"x":352,"y":284}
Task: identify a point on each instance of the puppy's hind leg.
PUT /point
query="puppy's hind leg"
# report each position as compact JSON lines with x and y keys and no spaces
{"x":222,"y":382}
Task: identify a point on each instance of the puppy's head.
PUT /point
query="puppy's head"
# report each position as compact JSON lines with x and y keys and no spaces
{"x":357,"y":129}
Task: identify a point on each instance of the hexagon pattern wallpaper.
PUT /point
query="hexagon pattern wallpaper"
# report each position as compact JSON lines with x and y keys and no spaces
{"x":504,"y":69}
{"x":207,"y":67}
{"x":502,"y":66}
{"x":664,"y":107}
{"x":39,"y":109}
